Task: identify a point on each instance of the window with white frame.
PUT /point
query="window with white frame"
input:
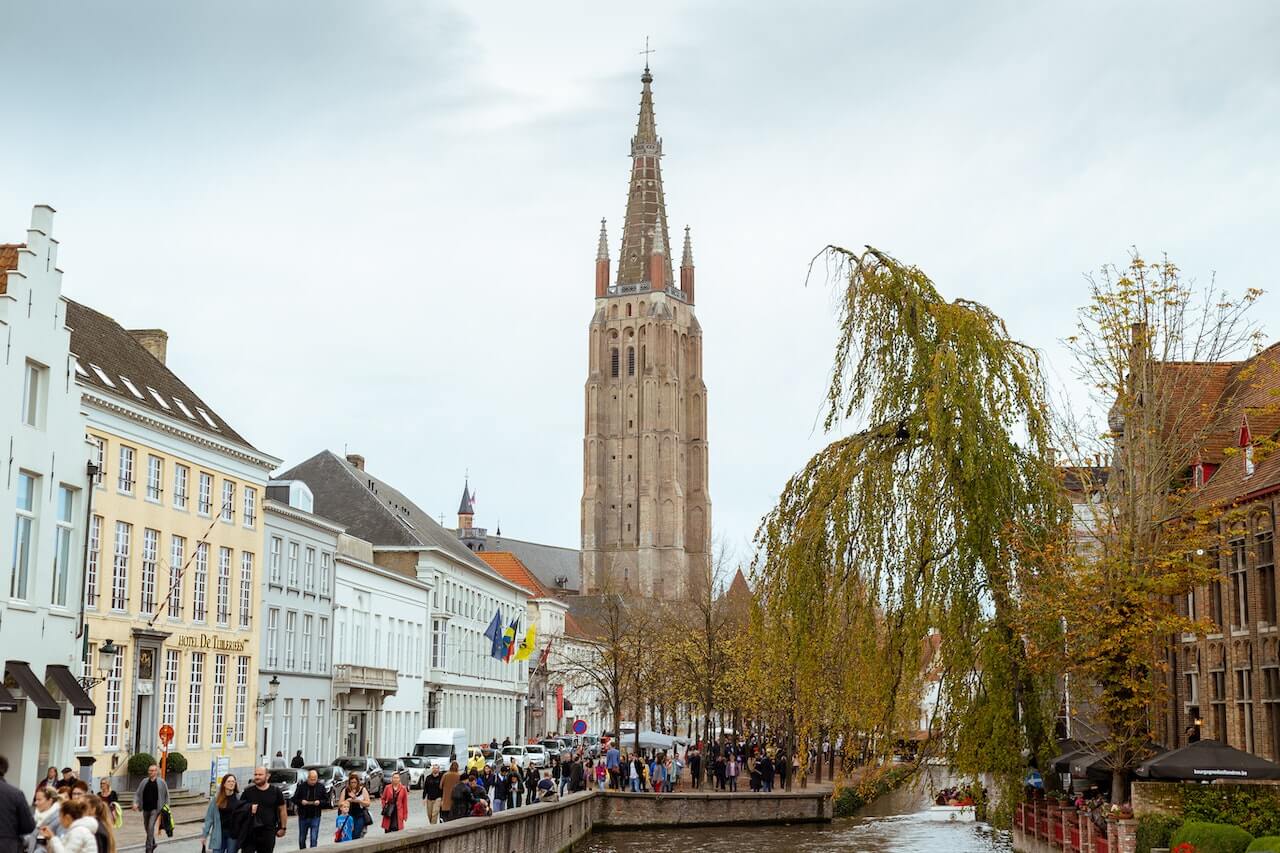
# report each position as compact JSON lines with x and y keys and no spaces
{"x":111,"y":721}
{"x":124,"y":476}
{"x":195,"y":699}
{"x":204,"y":494}
{"x":62,"y":554}
{"x":242,"y":698}
{"x":224,"y":587}
{"x":227,"y":512}
{"x":277,"y":546}
{"x":309,"y":570}
{"x":326,"y":569}
{"x":250,"y":514}
{"x":32,"y":394}
{"x":155,"y":477}
{"x":287,"y":727}
{"x":293,"y":564}
{"x":304,"y":720}
{"x":24,"y":535}
{"x":181,"y":484}
{"x":307,"y":634}
{"x":273,"y":637}
{"x":120,"y":567}
{"x":150,"y":555}
{"x":320,"y":750}
{"x":93,"y":561}
{"x":246,"y":588}
{"x":218,"y":731}
{"x":200,"y":583}
{"x":169,"y":705}
{"x":290,"y":626}
{"x":177,"y":555}
{"x":99,"y":460}
{"x":322,"y":649}
{"x":438,"y":643}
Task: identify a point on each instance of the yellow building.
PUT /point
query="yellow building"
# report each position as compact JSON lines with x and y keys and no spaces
{"x":175,"y":547}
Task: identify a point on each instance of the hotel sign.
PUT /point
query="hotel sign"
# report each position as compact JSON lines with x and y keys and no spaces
{"x":211,"y":641}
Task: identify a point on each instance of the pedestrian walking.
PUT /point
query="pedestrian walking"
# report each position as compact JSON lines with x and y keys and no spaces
{"x":356,"y":795}
{"x":104,"y":835}
{"x":731,"y":768}
{"x":395,"y":805}
{"x":308,"y":799}
{"x":695,"y":767}
{"x":432,"y":793}
{"x":150,"y":798}
{"x":612,"y":761}
{"x":218,"y":834}
{"x":16,"y":821}
{"x":461,"y":799}
{"x":278,"y":762}
{"x":343,"y":824}
{"x":298,"y":762}
{"x":447,"y":784}
{"x":268,"y":817}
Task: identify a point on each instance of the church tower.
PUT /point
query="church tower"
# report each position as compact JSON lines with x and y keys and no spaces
{"x":646,"y":514}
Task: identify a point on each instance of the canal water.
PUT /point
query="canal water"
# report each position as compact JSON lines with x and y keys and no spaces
{"x":898,"y":823}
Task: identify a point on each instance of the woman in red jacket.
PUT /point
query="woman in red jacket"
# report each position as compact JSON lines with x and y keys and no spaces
{"x":395,"y":805}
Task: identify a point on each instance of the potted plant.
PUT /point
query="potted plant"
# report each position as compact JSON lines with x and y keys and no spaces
{"x":137,"y":767}
{"x":175,"y":765}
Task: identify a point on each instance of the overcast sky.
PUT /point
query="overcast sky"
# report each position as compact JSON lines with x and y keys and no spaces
{"x":372,"y":225}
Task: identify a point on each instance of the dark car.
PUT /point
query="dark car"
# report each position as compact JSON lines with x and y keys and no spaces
{"x":394,"y":765}
{"x":332,"y":777}
{"x":285,"y":780}
{"x":367,"y":769}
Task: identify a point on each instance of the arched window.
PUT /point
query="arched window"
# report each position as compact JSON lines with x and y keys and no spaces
{"x":1264,"y":559}
{"x":631,"y":361}
{"x":628,"y":309}
{"x":613,"y":362}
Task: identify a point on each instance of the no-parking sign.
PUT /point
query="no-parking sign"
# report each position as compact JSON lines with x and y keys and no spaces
{"x":579,"y":727}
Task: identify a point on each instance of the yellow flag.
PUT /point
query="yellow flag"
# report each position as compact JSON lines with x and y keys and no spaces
{"x":526,"y":645}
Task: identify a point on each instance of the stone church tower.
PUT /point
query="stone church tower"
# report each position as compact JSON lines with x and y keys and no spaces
{"x":646,"y":514}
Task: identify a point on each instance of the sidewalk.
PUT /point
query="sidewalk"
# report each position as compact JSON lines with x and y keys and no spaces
{"x":186,"y":824}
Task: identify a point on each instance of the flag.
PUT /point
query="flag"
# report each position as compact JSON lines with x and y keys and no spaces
{"x":527,"y":644}
{"x":494,"y":634}
{"x":546,"y":652}
{"x":509,"y":639}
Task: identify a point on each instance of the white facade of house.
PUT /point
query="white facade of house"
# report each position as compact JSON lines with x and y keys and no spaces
{"x":298,"y":580}
{"x":467,"y":687}
{"x":44,"y":492}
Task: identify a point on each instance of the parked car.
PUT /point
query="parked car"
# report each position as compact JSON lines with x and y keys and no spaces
{"x":514,"y":752}
{"x":592,"y":745}
{"x":285,"y":780}
{"x":394,"y":765}
{"x":552,"y":746}
{"x":535,"y":755}
{"x":441,"y":747}
{"x":367,"y":769}
{"x":332,"y":777}
{"x":417,"y":767}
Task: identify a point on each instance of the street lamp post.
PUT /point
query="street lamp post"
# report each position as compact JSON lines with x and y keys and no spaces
{"x":107,"y":654}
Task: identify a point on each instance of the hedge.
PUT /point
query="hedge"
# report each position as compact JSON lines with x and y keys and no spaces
{"x":1265,"y":844}
{"x":175,"y":763}
{"x":1155,"y":830}
{"x":139,"y":762}
{"x":1256,"y":808}
{"x":1212,"y":837}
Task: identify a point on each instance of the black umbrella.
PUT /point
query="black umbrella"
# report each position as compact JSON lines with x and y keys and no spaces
{"x":1070,"y":749}
{"x":1205,"y":760}
{"x":1090,"y":765}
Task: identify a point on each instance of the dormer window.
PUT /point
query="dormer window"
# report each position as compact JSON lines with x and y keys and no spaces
{"x":1246,"y":445}
{"x":1248,"y":461}
{"x":1197,"y":474}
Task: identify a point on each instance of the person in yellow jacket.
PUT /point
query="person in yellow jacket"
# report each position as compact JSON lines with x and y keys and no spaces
{"x":475,"y":761}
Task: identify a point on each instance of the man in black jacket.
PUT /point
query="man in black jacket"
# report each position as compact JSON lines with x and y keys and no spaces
{"x":308,"y":798}
{"x":432,"y":792}
{"x":15,"y":814}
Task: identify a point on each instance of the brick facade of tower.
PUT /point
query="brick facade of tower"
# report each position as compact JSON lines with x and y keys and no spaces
{"x":646,"y":512}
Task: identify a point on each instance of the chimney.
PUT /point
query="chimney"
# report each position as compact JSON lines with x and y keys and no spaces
{"x":357,"y":460}
{"x":154,"y":341}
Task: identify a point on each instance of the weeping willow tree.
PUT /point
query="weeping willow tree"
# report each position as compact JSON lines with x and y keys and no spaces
{"x":925,"y":517}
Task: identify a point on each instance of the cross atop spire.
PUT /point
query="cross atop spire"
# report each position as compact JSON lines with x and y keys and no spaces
{"x":687,"y":260}
{"x":646,"y":204}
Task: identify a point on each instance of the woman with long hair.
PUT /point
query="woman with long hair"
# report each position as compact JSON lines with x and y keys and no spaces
{"x":218,"y":833}
{"x":46,"y":813}
{"x":79,"y":827}
{"x":356,"y":796}
{"x":106,"y":833}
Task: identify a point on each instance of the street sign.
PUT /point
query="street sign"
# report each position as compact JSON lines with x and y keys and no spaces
{"x":579,"y":727}
{"x":166,"y":735}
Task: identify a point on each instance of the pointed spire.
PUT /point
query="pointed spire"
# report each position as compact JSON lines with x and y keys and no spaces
{"x":602,"y":249}
{"x":646,"y":204}
{"x":659,"y":242}
{"x":466,"y":507}
{"x":687,"y":260}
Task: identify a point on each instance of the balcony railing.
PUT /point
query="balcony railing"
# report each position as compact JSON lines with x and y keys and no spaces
{"x":643,"y":287}
{"x":348,"y":677}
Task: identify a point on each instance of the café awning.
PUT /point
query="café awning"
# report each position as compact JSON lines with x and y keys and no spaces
{"x":33,"y":689}
{"x":1206,"y":760}
{"x":69,"y":686}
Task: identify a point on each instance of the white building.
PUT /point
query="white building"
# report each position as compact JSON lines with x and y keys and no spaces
{"x":463,"y":686}
{"x":295,"y":678}
{"x":45,"y":487}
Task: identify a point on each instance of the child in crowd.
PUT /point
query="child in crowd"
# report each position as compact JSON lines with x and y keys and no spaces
{"x":345,"y":824}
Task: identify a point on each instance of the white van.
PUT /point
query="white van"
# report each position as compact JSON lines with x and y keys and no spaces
{"x":442,"y":746}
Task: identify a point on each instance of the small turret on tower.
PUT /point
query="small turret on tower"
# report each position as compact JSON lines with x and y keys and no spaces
{"x":602,"y":262}
{"x":658,"y":259}
{"x":466,"y":507}
{"x":686,"y":268}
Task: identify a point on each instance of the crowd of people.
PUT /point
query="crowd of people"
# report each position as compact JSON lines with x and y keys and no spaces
{"x":62,"y":816}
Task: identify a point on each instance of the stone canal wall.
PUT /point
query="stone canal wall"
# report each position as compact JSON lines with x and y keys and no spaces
{"x":556,"y":827}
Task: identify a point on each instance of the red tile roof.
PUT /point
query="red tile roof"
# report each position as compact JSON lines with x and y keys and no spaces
{"x":509,"y":566}
{"x":573,"y":629}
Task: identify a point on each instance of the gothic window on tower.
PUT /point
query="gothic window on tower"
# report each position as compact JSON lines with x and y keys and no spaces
{"x":613,"y":362}
{"x":631,"y":361}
